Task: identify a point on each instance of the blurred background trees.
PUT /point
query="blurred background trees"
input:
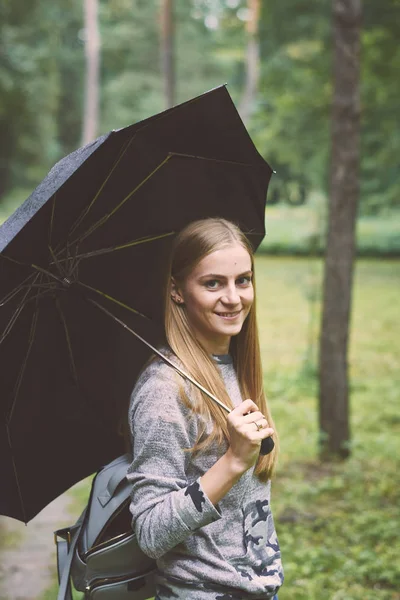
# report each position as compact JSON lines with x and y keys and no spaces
{"x":167,"y":55}
{"x":92,"y":88}
{"x":276,"y":58}
{"x":74,"y":69}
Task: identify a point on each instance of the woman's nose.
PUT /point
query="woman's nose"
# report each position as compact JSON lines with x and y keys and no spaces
{"x":231,"y":295}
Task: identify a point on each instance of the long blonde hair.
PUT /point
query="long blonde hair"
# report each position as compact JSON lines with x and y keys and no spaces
{"x":192,"y":244}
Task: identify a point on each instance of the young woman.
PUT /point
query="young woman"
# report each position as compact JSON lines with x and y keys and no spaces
{"x":201,"y":489}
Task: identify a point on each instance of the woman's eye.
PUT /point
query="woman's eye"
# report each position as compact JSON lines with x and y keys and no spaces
{"x":244,"y":280}
{"x":212,"y":284}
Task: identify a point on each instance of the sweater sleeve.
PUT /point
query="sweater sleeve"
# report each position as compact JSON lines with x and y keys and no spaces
{"x":166,"y":508}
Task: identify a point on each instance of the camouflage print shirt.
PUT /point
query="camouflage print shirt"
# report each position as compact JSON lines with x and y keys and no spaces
{"x":203,"y":552}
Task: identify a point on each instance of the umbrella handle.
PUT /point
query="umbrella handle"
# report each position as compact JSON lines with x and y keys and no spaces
{"x":267,"y":445}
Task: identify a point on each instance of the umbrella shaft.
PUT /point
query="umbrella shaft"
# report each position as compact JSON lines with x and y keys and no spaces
{"x":161,"y":355}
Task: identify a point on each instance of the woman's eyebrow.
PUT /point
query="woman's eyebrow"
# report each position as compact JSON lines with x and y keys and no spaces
{"x":216,"y":276}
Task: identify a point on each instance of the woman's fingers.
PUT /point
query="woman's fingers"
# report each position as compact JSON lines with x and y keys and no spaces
{"x":248,"y":406}
{"x":258,"y":424}
{"x":253,"y":417}
{"x":264,"y":432}
{"x":248,"y":413}
{"x":249,"y":421}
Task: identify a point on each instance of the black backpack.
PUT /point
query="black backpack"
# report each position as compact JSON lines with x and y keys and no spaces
{"x":100,"y":551}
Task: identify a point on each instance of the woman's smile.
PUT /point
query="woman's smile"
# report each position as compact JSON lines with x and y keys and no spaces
{"x":229,"y":316}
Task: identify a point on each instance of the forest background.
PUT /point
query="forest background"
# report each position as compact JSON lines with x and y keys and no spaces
{"x":337,"y":521}
{"x":42,"y":86}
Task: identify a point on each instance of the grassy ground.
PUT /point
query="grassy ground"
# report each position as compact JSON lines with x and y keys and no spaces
{"x":300,"y":231}
{"x":338,"y":524}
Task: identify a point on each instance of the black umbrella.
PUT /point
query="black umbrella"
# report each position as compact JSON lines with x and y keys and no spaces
{"x":97,"y":233}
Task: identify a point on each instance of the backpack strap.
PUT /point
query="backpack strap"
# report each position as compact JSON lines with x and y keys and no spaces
{"x":65,"y":553}
{"x":114,"y":481}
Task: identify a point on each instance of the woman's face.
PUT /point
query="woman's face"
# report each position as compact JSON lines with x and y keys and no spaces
{"x":218,"y":295}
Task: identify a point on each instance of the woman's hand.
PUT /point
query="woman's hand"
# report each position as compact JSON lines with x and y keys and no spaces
{"x":247,"y":428}
{"x":245,"y":441}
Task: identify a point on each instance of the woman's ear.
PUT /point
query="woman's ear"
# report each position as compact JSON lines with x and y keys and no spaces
{"x":176,"y":295}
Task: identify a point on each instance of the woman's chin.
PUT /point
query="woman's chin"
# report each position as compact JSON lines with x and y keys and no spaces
{"x":229,"y":328}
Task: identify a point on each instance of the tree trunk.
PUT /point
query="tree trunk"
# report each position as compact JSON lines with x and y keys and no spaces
{"x":167,"y":51}
{"x":92,"y":51}
{"x":252,"y":68}
{"x":340,"y":250}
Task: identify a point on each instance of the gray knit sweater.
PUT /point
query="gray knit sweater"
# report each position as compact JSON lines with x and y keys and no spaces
{"x":203,"y":552}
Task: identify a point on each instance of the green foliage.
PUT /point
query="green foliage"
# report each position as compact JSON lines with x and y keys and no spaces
{"x":292,"y":124}
{"x":132,"y":85}
{"x":380,"y":90}
{"x":43,"y":68}
{"x":42,"y":76}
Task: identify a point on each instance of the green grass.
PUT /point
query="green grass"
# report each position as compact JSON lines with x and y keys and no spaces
{"x":51,"y":593}
{"x":300,"y":231}
{"x":338,"y":524}
{"x":9,"y":539}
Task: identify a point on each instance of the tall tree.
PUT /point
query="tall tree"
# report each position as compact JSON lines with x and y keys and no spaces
{"x":167,"y":51}
{"x":340,"y":249}
{"x":252,"y":64}
{"x":92,"y":51}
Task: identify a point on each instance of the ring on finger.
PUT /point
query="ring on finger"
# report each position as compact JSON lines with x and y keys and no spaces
{"x":259,"y":425}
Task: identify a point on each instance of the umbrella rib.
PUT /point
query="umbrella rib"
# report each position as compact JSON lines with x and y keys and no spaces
{"x":88,"y":208}
{"x":49,"y":285}
{"x":105,"y":295}
{"x":161,"y":355}
{"x":42,"y":286}
{"x":16,"y":475}
{"x":105,"y":218}
{"x":49,"y":274}
{"x":13,"y":260}
{"x":58,"y":264}
{"x":24,"y":363}
{"x":45,"y":289}
{"x":121,"y":247}
{"x":74,"y":263}
{"x":9,"y":416}
{"x":15,"y":315}
{"x":219,"y":160}
{"x":17,"y":289}
{"x":53,"y":207}
{"x":68,"y":340}
{"x":170,"y":155}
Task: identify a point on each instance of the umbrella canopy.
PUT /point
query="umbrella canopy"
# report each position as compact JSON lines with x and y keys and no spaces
{"x":99,"y":229}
